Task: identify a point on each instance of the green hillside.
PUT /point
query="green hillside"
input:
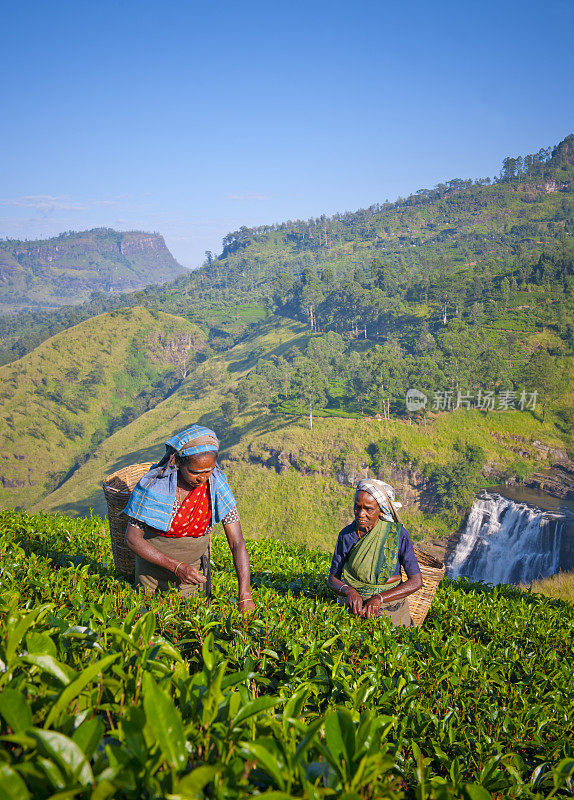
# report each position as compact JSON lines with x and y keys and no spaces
{"x":104,"y":695}
{"x":463,"y":292}
{"x":294,"y":483}
{"x":60,"y":401}
{"x":71,"y":267}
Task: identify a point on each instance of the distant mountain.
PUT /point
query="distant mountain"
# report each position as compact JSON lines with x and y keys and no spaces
{"x":48,"y":273}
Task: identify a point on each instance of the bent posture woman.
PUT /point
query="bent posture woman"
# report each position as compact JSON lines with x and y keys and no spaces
{"x":369,"y":554}
{"x":172,"y":512}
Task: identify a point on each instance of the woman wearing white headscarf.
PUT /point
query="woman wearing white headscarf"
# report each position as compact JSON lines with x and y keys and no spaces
{"x":366,"y":567}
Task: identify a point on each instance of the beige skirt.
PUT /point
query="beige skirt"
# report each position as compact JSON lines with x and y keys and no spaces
{"x":398,"y":612}
{"x":186,"y":549}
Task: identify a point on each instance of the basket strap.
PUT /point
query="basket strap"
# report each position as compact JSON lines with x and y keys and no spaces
{"x":206,"y":569}
{"x":393,"y":510}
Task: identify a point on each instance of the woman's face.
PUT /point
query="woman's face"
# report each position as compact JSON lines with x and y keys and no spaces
{"x":197,"y":469}
{"x":367,"y":512}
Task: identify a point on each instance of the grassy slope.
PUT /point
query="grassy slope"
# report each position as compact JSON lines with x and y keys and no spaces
{"x":558,"y":587}
{"x":61,"y":395}
{"x":317,"y":451}
{"x":142,"y":439}
{"x":420,"y":237}
{"x":306,"y":503}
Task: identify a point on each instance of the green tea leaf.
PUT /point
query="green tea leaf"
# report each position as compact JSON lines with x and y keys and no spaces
{"x":66,"y":753}
{"x":48,"y":664}
{"x":166,"y":723}
{"x":294,"y":705}
{"x":89,"y":735}
{"x":208,"y":652}
{"x":340,"y":735}
{"x":17,"y":627}
{"x":307,"y":740}
{"x":267,"y":761}
{"x":193,"y":784}
{"x":253,"y":708}
{"x":104,"y":790}
{"x":12,"y":787}
{"x":75,"y":687}
{"x":144,"y":628}
{"x":38,"y":642}
{"x":15,"y":709}
{"x":475,"y":792}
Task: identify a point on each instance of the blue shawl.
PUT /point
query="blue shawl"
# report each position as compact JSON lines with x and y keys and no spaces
{"x":153,"y":498}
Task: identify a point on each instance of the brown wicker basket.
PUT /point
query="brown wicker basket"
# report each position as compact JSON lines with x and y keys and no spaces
{"x":432,"y":571}
{"x":117,"y":490}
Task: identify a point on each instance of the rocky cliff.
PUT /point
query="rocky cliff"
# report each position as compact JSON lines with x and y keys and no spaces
{"x":68,"y":268}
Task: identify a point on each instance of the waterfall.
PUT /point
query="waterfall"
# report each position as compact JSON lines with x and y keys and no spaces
{"x":507,"y":542}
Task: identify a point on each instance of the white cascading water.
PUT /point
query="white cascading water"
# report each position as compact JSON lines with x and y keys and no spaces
{"x":507,"y":542}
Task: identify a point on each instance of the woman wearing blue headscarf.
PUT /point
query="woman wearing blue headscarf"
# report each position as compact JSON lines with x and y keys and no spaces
{"x":172,"y":512}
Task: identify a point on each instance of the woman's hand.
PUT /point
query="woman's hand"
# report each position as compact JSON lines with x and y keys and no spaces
{"x":246,"y":604}
{"x":185,"y":572}
{"x":236,"y":544}
{"x":354,"y":601}
{"x":188,"y":574}
{"x":372,"y":606}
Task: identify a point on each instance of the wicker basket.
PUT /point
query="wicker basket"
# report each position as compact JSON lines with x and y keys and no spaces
{"x":117,"y":490}
{"x":432,"y":572}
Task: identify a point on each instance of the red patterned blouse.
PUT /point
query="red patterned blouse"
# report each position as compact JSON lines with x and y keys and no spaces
{"x":194,"y":514}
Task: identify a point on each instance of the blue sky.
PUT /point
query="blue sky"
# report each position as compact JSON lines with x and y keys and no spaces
{"x":193,"y":119}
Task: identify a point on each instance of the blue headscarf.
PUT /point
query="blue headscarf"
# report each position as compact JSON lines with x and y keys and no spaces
{"x":196,"y":439}
{"x":153,"y":498}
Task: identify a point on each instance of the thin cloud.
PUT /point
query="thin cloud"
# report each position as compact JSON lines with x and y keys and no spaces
{"x":34,"y":227}
{"x":246,"y":197}
{"x":48,"y":204}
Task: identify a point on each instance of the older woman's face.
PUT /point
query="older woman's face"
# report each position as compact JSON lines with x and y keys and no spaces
{"x":367,"y":512}
{"x":198,"y":468}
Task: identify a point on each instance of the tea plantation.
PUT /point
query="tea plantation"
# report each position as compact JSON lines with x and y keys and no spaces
{"x":107,"y":694}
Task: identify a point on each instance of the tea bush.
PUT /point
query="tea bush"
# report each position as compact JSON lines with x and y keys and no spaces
{"x":105,"y":693}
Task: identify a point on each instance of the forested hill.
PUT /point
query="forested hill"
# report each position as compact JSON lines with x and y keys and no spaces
{"x":70,"y":267}
{"x":460,"y":233}
{"x":449,"y":247}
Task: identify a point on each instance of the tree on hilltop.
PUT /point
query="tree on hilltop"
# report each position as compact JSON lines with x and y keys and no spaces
{"x":542,"y":375}
{"x":309,"y":384}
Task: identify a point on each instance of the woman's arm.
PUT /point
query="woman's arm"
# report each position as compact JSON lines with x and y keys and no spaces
{"x":241,"y":563}
{"x":352,"y":598}
{"x":185,"y":572}
{"x":412,"y":584}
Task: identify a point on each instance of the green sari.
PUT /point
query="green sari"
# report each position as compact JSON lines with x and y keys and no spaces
{"x":373,"y":559}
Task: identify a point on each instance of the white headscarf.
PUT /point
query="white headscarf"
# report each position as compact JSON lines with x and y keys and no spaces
{"x":374,"y":487}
